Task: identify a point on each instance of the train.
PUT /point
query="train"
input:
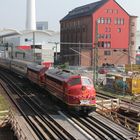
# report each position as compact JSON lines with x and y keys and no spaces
{"x":77,"y":92}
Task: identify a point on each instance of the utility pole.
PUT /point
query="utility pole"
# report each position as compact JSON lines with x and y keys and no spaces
{"x":79,"y":54}
{"x":56,"y":43}
{"x":56,"y":57}
{"x":96,"y":54}
{"x":33,"y":46}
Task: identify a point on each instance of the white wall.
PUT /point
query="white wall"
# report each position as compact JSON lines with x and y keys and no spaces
{"x":138,"y":41}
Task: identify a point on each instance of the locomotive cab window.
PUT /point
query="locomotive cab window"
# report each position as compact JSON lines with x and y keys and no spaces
{"x":75,"y":81}
{"x":86,"y":81}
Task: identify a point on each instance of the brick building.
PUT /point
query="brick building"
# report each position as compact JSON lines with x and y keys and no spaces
{"x":104,"y":25}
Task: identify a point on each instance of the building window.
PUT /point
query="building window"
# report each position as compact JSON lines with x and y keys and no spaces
{"x":119,"y":21}
{"x":105,"y":44}
{"x":132,"y":24}
{"x":26,"y":39}
{"x":99,"y":44}
{"x":108,"y":20}
{"x":132,"y":42}
{"x":103,"y":36}
{"x":106,"y":10}
{"x":122,"y":21}
{"x":119,"y":30}
{"x":108,"y":44}
{"x":110,"y":11}
{"x":99,"y":20}
{"x":109,"y":36}
{"x":116,"y":11}
{"x":99,"y":36}
{"x":107,"y":53}
{"x":102,"y":45}
{"x":102,"y":20}
{"x":132,"y":34}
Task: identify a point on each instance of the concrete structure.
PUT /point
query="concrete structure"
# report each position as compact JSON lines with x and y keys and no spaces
{"x":42,"y":25}
{"x":31,"y":15}
{"x":103,"y":24}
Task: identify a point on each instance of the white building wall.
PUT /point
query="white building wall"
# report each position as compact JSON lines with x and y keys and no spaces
{"x":14,"y":41}
{"x":28,"y":38}
{"x":138,"y":41}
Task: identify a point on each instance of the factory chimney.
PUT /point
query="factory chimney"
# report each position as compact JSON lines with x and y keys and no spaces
{"x":30,"y":15}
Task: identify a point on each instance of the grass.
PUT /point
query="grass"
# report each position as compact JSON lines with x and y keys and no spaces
{"x":3,"y":106}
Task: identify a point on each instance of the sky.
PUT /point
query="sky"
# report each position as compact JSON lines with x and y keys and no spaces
{"x":13,"y":12}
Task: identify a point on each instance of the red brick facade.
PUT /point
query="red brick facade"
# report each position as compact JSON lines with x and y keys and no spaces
{"x":108,"y":27}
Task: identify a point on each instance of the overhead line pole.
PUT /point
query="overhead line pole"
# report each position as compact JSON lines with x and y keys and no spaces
{"x":95,"y":76}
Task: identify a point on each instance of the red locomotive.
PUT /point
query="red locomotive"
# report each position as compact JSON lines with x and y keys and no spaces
{"x":74,"y":90}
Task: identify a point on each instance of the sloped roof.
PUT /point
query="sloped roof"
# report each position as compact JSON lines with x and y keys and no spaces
{"x":9,"y":32}
{"x":84,"y":10}
{"x":60,"y":74}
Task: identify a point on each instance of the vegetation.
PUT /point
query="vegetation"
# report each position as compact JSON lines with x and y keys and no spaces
{"x":64,"y":66}
{"x":3,"y":106}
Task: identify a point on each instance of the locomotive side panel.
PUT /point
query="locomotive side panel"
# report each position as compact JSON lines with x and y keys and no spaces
{"x":5,"y":63}
{"x":55,"y":86}
{"x":36,"y":74}
{"x":33,"y":76}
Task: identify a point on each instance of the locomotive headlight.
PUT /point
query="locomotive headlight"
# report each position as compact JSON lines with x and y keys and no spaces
{"x":84,"y":88}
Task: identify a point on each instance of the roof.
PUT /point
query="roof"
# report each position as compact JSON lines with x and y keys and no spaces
{"x":85,"y":10}
{"x":36,"y":67}
{"x":13,"y":32}
{"x":36,"y":31}
{"x":60,"y":74}
{"x":8,"y":32}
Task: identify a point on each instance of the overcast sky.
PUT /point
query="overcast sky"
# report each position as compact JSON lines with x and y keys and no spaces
{"x":13,"y":12}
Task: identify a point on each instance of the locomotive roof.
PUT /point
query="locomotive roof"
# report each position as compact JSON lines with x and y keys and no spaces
{"x":36,"y":67}
{"x":60,"y":74}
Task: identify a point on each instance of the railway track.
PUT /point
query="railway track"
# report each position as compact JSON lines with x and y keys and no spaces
{"x":99,"y":127}
{"x":41,"y":120}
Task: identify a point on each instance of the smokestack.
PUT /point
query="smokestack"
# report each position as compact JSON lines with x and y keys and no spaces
{"x":30,"y":15}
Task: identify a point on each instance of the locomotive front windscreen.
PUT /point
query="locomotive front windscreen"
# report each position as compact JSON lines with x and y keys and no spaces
{"x":75,"y":81}
{"x":86,"y":81}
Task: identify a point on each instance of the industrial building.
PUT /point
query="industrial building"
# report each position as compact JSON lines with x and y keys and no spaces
{"x":34,"y":46}
{"x":100,"y":32}
{"x":31,"y":45}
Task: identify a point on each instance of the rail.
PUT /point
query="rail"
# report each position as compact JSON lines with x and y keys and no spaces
{"x":108,"y":110}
